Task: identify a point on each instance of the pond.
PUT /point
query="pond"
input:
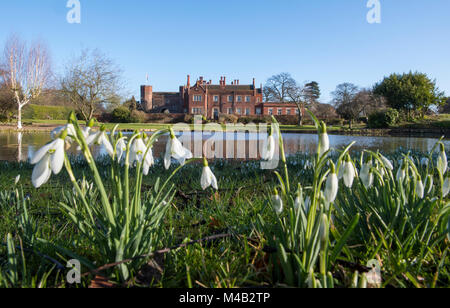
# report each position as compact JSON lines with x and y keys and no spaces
{"x":21,"y":146}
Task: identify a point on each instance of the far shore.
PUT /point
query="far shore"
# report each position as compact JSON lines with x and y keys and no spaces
{"x":358,"y":131}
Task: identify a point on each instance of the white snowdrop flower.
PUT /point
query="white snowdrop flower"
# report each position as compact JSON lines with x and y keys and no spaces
{"x":277,"y":203}
{"x":70,"y":131}
{"x":401,"y":174}
{"x":420,"y":189}
{"x":100,"y":138}
{"x":331,"y":186}
{"x":48,"y":159}
{"x":175,"y":149}
{"x":324,"y":140}
{"x":386,"y":162}
{"x":208,"y":178}
{"x":366,"y":175}
{"x":121,"y":148}
{"x":349,"y":173}
{"x":17,"y":179}
{"x":137,"y":150}
{"x":268,"y":150}
{"x":442,"y":163}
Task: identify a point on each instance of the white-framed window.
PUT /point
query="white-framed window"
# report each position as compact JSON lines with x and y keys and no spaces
{"x":197,"y":110}
{"x":248,"y":99}
{"x":230,"y":98}
{"x":239,"y":98}
{"x":239,"y":111}
{"x":288,"y":111}
{"x":280,"y":111}
{"x":258,"y":111}
{"x":247,"y":111}
{"x":297,"y":112}
{"x":230,"y":110}
{"x":216,"y":98}
{"x":197,"y":98}
{"x":270,"y":111}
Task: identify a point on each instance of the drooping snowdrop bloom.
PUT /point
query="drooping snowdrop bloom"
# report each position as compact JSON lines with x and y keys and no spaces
{"x":100,"y":138}
{"x":366,"y":175}
{"x":387,"y":163}
{"x":420,"y":189}
{"x":140,"y":153}
{"x":17,"y":180}
{"x":48,"y":159}
{"x":324,"y":140}
{"x":87,"y":130}
{"x":268,"y":151}
{"x":121,"y":148}
{"x":442,"y":163}
{"x":137,"y":150}
{"x":446,"y":187}
{"x":331,"y":186}
{"x":208,"y":178}
{"x":277,"y":203}
{"x":429,"y":183}
{"x":175,"y":149}
{"x":349,"y":172}
{"x":401,"y":173}
{"x":70,"y":131}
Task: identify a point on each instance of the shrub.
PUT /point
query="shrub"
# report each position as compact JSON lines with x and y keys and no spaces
{"x":384,"y":119}
{"x":138,"y":116}
{"x":121,"y":115}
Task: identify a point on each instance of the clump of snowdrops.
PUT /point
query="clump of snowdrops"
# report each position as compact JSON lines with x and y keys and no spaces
{"x":113,"y":213}
{"x":400,"y":210}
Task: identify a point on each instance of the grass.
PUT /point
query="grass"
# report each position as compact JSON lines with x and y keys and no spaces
{"x":395,"y":228}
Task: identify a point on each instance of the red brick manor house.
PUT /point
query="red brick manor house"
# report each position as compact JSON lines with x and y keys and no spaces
{"x":211,"y":100}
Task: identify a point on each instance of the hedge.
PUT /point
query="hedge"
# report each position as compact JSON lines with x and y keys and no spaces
{"x":41,"y":112}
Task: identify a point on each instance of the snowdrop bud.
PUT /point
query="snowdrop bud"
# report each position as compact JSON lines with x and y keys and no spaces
{"x":91,"y":123}
{"x":331,"y":186}
{"x":324,"y":229}
{"x":277,"y":202}
{"x":420,"y":189}
{"x":17,"y":179}
{"x":324,"y":140}
{"x":442,"y":163}
{"x":299,"y":200}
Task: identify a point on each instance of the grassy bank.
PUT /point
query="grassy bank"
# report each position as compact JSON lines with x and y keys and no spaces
{"x":401,"y":231}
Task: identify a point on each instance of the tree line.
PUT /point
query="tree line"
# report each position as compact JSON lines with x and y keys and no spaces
{"x":413,"y":94}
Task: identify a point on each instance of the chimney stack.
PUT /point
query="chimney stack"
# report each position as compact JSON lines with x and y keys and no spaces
{"x":224,"y":81}
{"x":188,"y":81}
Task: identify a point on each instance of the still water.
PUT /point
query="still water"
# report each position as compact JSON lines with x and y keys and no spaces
{"x":21,"y":146}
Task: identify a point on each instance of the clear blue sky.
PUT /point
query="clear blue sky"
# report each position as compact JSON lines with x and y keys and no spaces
{"x":328,"y":41}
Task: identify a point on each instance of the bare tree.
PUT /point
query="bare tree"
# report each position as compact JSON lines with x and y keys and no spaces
{"x":25,"y":70}
{"x":91,"y":82}
{"x":366,"y":102}
{"x":345,"y":103}
{"x":283,"y":88}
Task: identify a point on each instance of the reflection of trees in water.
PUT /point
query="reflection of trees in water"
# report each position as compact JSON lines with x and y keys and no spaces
{"x":21,"y":146}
